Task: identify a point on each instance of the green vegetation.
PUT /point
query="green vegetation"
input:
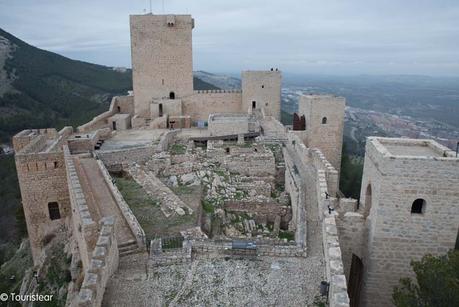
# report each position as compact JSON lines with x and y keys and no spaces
{"x":182,"y":189}
{"x":437,"y":282}
{"x":56,"y":274}
{"x":11,"y":213}
{"x":54,"y":91}
{"x":289,"y":235}
{"x":351,"y":174}
{"x":148,"y":212}
{"x":177,"y":149}
{"x":170,"y":243}
{"x":13,"y":270}
{"x":208,"y":206}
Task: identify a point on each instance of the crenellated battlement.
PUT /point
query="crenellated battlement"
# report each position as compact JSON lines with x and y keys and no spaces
{"x":216,"y":91}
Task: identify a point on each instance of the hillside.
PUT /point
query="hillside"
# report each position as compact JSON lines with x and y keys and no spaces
{"x":39,"y":88}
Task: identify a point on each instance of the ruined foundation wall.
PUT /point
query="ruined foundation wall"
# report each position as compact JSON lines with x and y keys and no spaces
{"x":130,"y":218}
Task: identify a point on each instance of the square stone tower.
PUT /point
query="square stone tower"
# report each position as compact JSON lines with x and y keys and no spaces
{"x":324,"y":119}
{"x":410,"y":199}
{"x":162,"y":61}
{"x":43,"y":181}
{"x":262,"y":89}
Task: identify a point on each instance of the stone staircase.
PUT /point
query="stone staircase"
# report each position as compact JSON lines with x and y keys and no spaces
{"x":128,"y":248}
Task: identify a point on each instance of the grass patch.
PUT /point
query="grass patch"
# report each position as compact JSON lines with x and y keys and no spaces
{"x":182,"y":189}
{"x":289,"y":235}
{"x":148,"y":211}
{"x":177,"y":149}
{"x":207,"y":206}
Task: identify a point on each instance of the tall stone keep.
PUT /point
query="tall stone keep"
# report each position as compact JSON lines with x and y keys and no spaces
{"x":262,"y":90}
{"x":324,"y":119}
{"x":409,"y":197}
{"x":162,"y":61}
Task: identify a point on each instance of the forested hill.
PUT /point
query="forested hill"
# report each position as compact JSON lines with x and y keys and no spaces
{"x":39,"y":88}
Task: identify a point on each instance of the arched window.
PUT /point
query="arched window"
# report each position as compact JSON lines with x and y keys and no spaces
{"x":171,"y":95}
{"x":254,"y":104}
{"x":324,"y":120}
{"x":418,"y":206}
{"x":53,"y":209}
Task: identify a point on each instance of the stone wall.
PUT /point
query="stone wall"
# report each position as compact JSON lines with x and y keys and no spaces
{"x":130,"y":218}
{"x":161,"y":50}
{"x":103,"y":264}
{"x":203,"y":103}
{"x":351,"y":232}
{"x":115,"y":158}
{"x":84,"y":228}
{"x":119,"y":104}
{"x":213,"y":248}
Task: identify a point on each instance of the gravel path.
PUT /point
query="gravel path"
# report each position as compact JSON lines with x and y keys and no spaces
{"x":268,"y":281}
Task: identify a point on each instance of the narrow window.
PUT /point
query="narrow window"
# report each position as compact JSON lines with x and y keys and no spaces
{"x":119,"y":109}
{"x":227,"y":150}
{"x":254,"y":104}
{"x":56,"y":164}
{"x":160,"y":110}
{"x":171,"y":95}
{"x":368,"y":194}
{"x":114,"y":125}
{"x":324,"y":120}
{"x":53,"y":209}
{"x":262,"y":86}
{"x":418,"y":206}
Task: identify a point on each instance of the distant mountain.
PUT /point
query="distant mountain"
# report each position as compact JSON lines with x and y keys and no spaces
{"x":39,"y":88}
{"x":221,"y":81}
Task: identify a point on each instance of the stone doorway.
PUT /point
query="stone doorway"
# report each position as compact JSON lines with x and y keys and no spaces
{"x":355,"y":281}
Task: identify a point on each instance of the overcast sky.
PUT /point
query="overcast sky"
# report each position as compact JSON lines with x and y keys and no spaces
{"x":298,"y":36}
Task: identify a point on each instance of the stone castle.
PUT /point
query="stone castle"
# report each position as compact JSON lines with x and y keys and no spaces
{"x":227,"y":181}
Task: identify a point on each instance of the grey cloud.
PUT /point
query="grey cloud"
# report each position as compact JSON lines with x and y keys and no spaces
{"x":330,"y":36}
